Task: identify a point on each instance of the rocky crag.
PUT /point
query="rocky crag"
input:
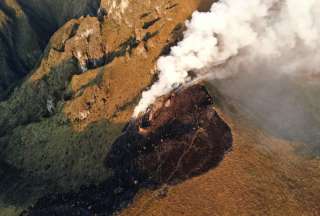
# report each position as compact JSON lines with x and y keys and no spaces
{"x":71,"y":73}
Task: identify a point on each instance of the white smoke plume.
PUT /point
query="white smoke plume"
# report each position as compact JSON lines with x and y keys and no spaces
{"x":240,"y":36}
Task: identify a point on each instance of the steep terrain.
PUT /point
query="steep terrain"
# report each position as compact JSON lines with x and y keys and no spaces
{"x":262,"y":175}
{"x":71,"y":73}
{"x":25,"y":28}
{"x":180,"y":137}
{"x":59,"y":123}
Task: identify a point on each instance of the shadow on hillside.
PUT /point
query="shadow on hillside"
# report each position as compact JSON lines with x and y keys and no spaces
{"x":166,"y":152}
{"x":62,"y":163}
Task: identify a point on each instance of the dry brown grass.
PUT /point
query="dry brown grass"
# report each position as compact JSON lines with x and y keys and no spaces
{"x":261,"y":176}
{"x":126,"y":77}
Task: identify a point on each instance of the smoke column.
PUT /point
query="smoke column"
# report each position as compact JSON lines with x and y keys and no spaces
{"x":242,"y":36}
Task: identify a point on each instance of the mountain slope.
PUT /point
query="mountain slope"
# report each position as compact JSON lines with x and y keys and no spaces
{"x":60,"y":121}
{"x":262,"y":175}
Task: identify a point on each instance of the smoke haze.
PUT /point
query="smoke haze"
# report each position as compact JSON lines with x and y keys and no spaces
{"x":241,"y":37}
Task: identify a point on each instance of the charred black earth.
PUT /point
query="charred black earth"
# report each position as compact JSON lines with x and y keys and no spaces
{"x":179,"y":137}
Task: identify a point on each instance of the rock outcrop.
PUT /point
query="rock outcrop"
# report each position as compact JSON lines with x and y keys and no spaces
{"x":58,"y":124}
{"x":71,"y":73}
{"x":25,"y":28}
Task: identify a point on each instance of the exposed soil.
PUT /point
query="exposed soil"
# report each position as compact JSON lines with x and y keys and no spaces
{"x":61,"y":134}
{"x":262,"y":175}
{"x":181,"y":136}
{"x":59,"y":123}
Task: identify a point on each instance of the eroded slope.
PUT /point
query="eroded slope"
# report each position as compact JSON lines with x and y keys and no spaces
{"x":58,"y":125}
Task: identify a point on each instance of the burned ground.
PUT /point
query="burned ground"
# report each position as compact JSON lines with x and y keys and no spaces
{"x":181,"y":136}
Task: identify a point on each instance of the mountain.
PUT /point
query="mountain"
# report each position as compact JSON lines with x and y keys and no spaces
{"x":71,"y":74}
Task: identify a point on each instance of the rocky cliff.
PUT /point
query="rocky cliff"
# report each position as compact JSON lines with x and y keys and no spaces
{"x":26,"y":27}
{"x":71,"y":73}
